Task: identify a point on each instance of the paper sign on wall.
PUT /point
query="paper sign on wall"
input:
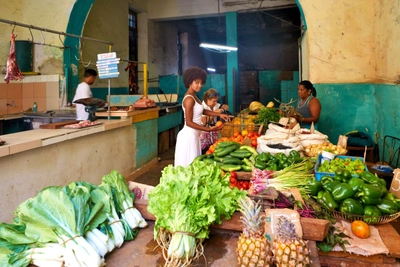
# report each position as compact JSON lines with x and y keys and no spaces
{"x":395,"y":185}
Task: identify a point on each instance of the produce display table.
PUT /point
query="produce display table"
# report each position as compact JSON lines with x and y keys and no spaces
{"x":220,"y":248}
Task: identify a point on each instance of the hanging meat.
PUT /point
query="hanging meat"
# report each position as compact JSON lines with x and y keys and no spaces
{"x":13,"y":72}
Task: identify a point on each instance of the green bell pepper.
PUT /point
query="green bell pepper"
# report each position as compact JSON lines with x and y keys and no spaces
{"x":351,"y":206}
{"x":314,"y":186}
{"x":263,"y":157}
{"x":371,"y":214}
{"x":342,"y":191}
{"x":328,"y":201}
{"x":356,"y":183}
{"x":260,"y":164}
{"x":397,"y":202}
{"x":328,"y":186}
{"x":382,"y":181}
{"x":294,"y":154}
{"x":344,"y":175}
{"x":369,"y":177}
{"x":370,"y":200}
{"x":387,"y":207}
{"x":370,"y":190}
{"x":382,"y":188}
{"x":326,"y":178}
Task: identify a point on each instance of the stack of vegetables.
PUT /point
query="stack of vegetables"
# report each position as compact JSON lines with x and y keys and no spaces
{"x":75,"y":225}
{"x":230,"y":156}
{"x":365,"y":196}
{"x":185,"y":203}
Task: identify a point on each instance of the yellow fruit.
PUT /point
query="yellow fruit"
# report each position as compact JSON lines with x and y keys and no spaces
{"x":255,"y":106}
{"x":244,"y":132}
{"x":270,"y":104}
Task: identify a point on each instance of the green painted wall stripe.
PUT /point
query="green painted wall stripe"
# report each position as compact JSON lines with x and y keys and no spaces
{"x":301,"y":14}
{"x":76,"y":22}
{"x":232,"y":60}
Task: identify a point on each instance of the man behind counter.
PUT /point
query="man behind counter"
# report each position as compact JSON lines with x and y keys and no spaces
{"x":83,"y":91}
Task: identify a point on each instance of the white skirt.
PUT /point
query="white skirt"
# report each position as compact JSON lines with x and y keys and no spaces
{"x":187,"y":146}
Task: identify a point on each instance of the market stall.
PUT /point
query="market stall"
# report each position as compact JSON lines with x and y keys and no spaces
{"x":239,"y":203}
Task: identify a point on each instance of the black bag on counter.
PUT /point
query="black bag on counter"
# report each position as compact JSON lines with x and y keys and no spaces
{"x":359,"y":139}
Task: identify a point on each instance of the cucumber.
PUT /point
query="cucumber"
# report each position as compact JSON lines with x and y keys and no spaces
{"x":199,"y":158}
{"x":211,"y":161}
{"x":247,"y":162}
{"x":251,"y":149}
{"x":226,"y":144}
{"x":241,"y":154}
{"x":234,"y":161}
{"x":225,"y":151}
{"x":246,"y":168}
{"x":230,"y":167}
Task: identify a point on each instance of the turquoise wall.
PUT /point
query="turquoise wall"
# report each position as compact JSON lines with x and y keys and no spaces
{"x":346,"y":107}
{"x":147,"y":144}
{"x":103,"y":92}
{"x":270,"y":86}
{"x":387,"y":109}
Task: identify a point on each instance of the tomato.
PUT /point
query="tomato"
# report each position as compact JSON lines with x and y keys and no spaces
{"x":240,"y":185}
{"x":231,"y":186}
{"x":254,"y":143}
{"x":250,"y":134}
{"x":360,"y":229}
{"x":234,"y":175}
{"x":212,"y":148}
{"x":236,"y":134}
{"x":209,"y":152}
{"x":233,"y":180}
{"x":246,"y":185}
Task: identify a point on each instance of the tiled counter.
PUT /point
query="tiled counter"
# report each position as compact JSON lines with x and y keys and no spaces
{"x":32,"y":160}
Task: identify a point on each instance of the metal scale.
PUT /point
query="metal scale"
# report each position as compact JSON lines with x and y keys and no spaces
{"x":91,"y":105}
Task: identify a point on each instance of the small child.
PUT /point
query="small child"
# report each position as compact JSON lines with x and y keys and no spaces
{"x":210,"y":102}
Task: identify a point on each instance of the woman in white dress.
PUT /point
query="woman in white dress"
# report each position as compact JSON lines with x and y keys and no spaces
{"x":188,"y":140}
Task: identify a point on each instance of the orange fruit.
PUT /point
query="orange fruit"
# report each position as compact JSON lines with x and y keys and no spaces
{"x":219,"y":123}
{"x":360,"y":229}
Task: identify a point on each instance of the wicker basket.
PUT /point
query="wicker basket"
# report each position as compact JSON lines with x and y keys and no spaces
{"x":367,"y":219}
{"x":229,"y":129}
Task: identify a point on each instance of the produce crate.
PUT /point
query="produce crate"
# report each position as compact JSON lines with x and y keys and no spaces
{"x":318,"y":175}
{"x":267,"y":199}
{"x":229,"y":129}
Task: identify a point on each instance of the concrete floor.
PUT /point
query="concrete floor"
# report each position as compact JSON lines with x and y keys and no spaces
{"x":220,"y":248}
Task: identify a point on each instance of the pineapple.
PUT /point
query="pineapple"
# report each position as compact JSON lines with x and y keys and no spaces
{"x":253,"y":247}
{"x":288,"y":248}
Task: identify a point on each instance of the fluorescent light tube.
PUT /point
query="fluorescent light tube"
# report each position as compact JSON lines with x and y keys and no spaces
{"x":219,"y":47}
{"x":211,"y":69}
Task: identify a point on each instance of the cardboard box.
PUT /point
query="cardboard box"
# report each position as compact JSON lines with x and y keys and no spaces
{"x":271,"y":222}
{"x":141,"y":191}
{"x":395,"y":185}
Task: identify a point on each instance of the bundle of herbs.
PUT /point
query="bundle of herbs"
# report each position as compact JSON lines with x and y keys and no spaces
{"x":185,"y":203}
{"x":267,"y":115}
{"x":293,"y":176}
